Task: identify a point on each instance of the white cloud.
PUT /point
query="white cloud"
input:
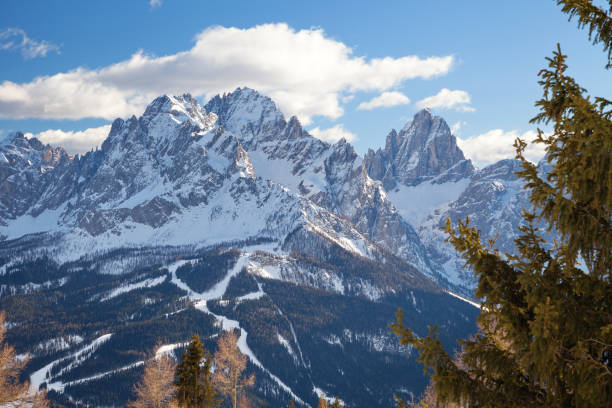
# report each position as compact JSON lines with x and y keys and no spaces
{"x":496,"y":145}
{"x":12,"y":39}
{"x":333,"y":134}
{"x":386,"y":99}
{"x":348,"y":98}
{"x":456,"y":128}
{"x":73,"y":142}
{"x":447,"y":99}
{"x":155,"y":3}
{"x":305,"y":72}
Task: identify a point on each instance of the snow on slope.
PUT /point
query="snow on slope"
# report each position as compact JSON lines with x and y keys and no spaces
{"x":44,"y":374}
{"x":216,"y":292}
{"x":147,"y":283}
{"x":416,"y":203}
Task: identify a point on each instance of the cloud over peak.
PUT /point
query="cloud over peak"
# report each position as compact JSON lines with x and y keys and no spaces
{"x":333,"y":134}
{"x":305,"y":72}
{"x":447,"y":99}
{"x":497,"y":144}
{"x":74,"y":142}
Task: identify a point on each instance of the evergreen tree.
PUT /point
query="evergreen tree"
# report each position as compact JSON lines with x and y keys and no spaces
{"x":193,"y":384}
{"x":545,"y":336}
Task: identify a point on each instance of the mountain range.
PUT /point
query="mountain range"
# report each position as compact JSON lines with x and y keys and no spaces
{"x":198,"y":218}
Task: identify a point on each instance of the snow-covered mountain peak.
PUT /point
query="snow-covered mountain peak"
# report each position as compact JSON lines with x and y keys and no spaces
{"x":179,"y":109}
{"x":18,"y":139}
{"x":426,"y":128}
{"x":248,"y":114}
{"x":7,"y":138}
{"x":423,"y":150}
{"x":31,"y":150}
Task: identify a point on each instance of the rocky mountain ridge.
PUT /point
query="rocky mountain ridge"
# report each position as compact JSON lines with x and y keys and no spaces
{"x":193,"y":218}
{"x":181,"y":161}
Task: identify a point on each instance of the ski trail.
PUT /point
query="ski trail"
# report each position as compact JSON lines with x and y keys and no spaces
{"x":476,"y":305}
{"x":253,"y":295}
{"x":44,"y":374}
{"x":217,"y":292}
{"x":297,"y":343}
{"x":60,"y":386}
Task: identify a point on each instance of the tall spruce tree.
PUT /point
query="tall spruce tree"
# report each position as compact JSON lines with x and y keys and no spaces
{"x":193,"y":385}
{"x":545,"y":336}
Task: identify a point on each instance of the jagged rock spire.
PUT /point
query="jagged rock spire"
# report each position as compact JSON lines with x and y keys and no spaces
{"x":423,"y":150}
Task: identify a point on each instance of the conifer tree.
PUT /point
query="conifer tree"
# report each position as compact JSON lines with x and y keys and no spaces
{"x":545,"y":336}
{"x":193,"y":384}
{"x":230,"y":363}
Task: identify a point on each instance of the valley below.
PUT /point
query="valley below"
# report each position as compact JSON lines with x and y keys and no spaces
{"x":227,"y":216}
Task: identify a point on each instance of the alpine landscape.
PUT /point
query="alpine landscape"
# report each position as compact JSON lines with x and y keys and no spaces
{"x":230,"y":210}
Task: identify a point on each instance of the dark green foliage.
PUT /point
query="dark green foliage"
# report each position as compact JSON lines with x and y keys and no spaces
{"x":596,"y":19}
{"x":208,"y":270}
{"x":546,"y":320}
{"x":353,"y":368}
{"x":240,"y":285}
{"x":35,"y":271}
{"x":75,"y":308}
{"x":193,"y":383}
{"x":105,"y":391}
{"x":334,"y":331}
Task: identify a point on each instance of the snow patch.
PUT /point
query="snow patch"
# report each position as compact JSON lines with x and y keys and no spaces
{"x":415,"y":203}
{"x":471,"y":302}
{"x":48,"y":220}
{"x":147,"y":283}
{"x":253,"y":295}
{"x":217,"y":292}
{"x":287,"y":345}
{"x":44,"y":374}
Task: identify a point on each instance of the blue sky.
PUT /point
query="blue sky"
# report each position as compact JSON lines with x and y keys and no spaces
{"x":70,"y":66}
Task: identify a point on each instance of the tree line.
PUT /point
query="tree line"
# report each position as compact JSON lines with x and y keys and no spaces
{"x":545,"y":337}
{"x":192,"y":383}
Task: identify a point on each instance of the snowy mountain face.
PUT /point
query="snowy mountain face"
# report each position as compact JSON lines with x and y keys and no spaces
{"x":494,"y":201}
{"x":232,"y":170}
{"x":235,"y":169}
{"x":333,"y":177}
{"x":429,"y":181}
{"x":27,"y":169}
{"x":424,"y":150}
{"x":255,"y":209}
